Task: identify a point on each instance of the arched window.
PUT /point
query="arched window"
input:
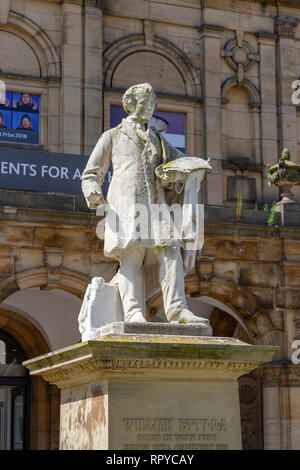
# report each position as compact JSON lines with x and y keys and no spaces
{"x":14,"y":384}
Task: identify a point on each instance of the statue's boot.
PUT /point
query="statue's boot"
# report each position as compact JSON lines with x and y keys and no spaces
{"x":136,"y":317}
{"x":186,"y":316}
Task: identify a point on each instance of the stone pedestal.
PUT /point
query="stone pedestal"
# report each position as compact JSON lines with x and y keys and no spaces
{"x":150,"y":391}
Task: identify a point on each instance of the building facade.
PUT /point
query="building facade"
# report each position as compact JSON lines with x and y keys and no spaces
{"x":224,"y":72}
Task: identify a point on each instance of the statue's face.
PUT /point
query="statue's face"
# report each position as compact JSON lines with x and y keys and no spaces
{"x":144,"y":109}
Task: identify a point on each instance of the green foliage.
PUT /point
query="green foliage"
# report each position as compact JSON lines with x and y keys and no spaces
{"x":273,"y":215}
{"x":238,"y":211}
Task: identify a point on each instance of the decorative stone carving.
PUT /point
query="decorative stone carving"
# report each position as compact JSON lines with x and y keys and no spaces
{"x":251,"y":412}
{"x":285,"y":174}
{"x":248,"y":433}
{"x":247,"y":394}
{"x":283,"y":374}
{"x":285,"y":26}
{"x":205,"y":267}
{"x":239,"y":55}
{"x":146,"y":355}
{"x":242,"y":164}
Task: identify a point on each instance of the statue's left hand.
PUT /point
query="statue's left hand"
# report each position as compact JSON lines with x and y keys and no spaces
{"x":96,"y":200}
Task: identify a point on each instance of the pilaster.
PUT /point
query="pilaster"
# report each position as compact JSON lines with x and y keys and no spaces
{"x":210,"y":39}
{"x":286,"y":73}
{"x":269,"y":134}
{"x":92,"y":77}
{"x":72,"y":75}
{"x":281,"y":397}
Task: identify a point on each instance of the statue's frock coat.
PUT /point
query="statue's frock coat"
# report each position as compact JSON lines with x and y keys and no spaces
{"x":134,"y":190}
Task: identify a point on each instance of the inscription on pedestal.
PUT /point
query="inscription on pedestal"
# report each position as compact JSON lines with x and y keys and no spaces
{"x":175,"y":433}
{"x":167,"y":415}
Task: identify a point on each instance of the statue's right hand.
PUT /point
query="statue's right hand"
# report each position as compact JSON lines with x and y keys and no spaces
{"x":95,"y":200}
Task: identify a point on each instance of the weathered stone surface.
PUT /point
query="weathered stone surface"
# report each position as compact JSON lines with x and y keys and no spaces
{"x":246,"y":186}
{"x":270,"y":250}
{"x":100,"y":412}
{"x":263,"y":295}
{"x":292,"y":275}
{"x":161,"y":329}
{"x":262,"y":274}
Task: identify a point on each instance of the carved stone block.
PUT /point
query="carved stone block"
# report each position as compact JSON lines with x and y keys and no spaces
{"x":101,"y":305}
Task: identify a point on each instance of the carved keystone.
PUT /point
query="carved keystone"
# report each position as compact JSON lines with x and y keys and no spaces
{"x":149,"y":32}
{"x":205,"y":267}
{"x":53,"y":260}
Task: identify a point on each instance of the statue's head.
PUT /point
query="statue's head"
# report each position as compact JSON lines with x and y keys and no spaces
{"x":139,"y":101}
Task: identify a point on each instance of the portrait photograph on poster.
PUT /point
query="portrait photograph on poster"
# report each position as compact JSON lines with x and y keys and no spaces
{"x":19,"y":118}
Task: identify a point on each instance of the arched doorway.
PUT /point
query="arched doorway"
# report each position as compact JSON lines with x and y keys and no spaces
{"x":14,"y":395}
{"x":41,"y":320}
{"x":43,"y":413}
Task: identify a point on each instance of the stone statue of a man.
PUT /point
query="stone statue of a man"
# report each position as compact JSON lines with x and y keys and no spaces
{"x":137,"y":153}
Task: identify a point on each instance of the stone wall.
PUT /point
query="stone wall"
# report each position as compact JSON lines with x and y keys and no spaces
{"x":228,"y":66}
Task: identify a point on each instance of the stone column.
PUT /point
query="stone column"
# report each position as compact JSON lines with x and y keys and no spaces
{"x":210,"y":37}
{"x":281,"y":410}
{"x":269,"y":137}
{"x":54,"y":116}
{"x":72,"y":74}
{"x":92,"y":117}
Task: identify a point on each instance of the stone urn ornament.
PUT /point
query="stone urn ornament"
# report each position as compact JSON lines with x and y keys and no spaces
{"x":285,"y":174}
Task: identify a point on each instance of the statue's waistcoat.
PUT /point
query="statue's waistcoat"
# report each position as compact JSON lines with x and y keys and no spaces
{"x":136,"y":154}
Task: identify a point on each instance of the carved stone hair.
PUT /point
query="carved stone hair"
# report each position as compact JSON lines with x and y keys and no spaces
{"x":131,"y":96}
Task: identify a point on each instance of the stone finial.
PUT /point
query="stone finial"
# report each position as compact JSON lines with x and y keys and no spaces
{"x":286,"y":155}
{"x":285,"y":174}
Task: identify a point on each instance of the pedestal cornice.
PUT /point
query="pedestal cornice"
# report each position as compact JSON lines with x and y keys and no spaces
{"x":150,"y":356}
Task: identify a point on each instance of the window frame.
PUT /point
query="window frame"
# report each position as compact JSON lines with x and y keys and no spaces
{"x":34,"y":87}
{"x":190,"y":107}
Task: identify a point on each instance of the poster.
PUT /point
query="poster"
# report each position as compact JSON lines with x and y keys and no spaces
{"x":19,"y":117}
